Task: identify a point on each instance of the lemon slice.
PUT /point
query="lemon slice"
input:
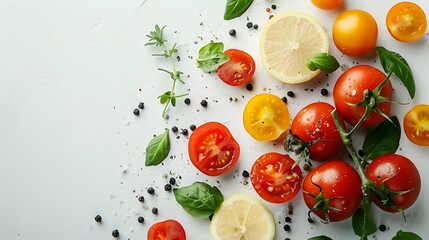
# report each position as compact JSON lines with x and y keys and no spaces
{"x":288,"y":40}
{"x":242,"y":217}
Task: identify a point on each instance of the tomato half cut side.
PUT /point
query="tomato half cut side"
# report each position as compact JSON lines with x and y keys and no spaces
{"x":274,"y":179}
{"x":212,"y":149}
{"x":238,"y":70}
{"x":406,"y":22}
{"x":416,"y":125}
{"x":166,"y":230}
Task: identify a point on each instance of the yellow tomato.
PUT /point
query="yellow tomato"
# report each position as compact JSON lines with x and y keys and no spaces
{"x":416,"y":125}
{"x":326,"y":4}
{"x":355,"y":33}
{"x":266,"y":117}
{"x":406,"y":22}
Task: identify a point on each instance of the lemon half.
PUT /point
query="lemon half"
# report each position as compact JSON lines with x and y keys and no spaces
{"x":288,"y":40}
{"x":242,"y":217}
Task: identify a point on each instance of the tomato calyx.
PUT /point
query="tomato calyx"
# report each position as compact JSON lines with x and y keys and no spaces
{"x":295,"y":144}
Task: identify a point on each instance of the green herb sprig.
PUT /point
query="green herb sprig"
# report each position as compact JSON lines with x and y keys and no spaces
{"x":156,"y":38}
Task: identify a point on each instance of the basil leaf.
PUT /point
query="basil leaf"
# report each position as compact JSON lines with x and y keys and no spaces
{"x":200,"y":200}
{"x":322,"y":237}
{"x":400,"y":235}
{"x":383,"y":139}
{"x":235,"y":8}
{"x":395,"y":63}
{"x":363,"y":223}
{"x":211,"y":56}
{"x":158,"y":149}
{"x":323,"y":61}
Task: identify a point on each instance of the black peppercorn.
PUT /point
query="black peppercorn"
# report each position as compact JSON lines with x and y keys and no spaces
{"x":255,"y":26}
{"x":184,"y":132}
{"x":286,"y":227}
{"x":204,"y":103}
{"x":249,"y":24}
{"x":115,"y":233}
{"x":174,"y":129}
{"x":284,"y":99}
{"x":232,"y":32}
{"x":167,"y":187}
{"x":172,"y":181}
{"x":245,"y":174}
{"x":141,"y":199}
{"x":382,"y":228}
{"x":151,"y":190}
{"x":361,"y":153}
{"x":140,"y":219}
{"x":288,"y":219}
{"x":136,"y":111}
{"x":249,"y":87}
{"x":324,"y":92}
{"x":187,"y":101}
{"x":155,"y":210}
{"x":290,"y":94}
{"x":141,"y":105}
{"x":193,"y":127}
{"x":274,"y":6}
{"x":98,"y":218}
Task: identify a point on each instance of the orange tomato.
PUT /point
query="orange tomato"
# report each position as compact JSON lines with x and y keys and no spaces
{"x":355,"y":33}
{"x":416,"y":125}
{"x":326,"y":4}
{"x":406,"y":22}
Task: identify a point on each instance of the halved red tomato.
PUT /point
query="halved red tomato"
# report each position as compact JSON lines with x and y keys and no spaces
{"x":166,"y":230}
{"x":238,"y":70}
{"x":212,"y":149}
{"x":416,"y":125}
{"x":274,"y":179}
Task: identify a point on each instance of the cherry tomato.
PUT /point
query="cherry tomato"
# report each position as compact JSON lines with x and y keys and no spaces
{"x":266,"y":117}
{"x":274,"y":179}
{"x":406,"y":22}
{"x":336,"y":187}
{"x":355,"y":33}
{"x":326,"y":4}
{"x":238,"y":70}
{"x":166,"y":230}
{"x":395,"y":174}
{"x":350,"y":88}
{"x":212,"y":149}
{"x":416,"y":125}
{"x":315,"y":126}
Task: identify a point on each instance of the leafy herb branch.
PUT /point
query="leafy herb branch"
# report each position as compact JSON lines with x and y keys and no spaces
{"x":156,"y":38}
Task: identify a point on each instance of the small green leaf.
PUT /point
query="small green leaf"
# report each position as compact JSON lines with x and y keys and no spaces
{"x":323,"y":61}
{"x":211,"y":56}
{"x":322,"y":237}
{"x":400,"y":235}
{"x":235,"y":8}
{"x":200,"y":200}
{"x":158,"y":149}
{"x":363,"y":223}
{"x":395,"y":63}
{"x":173,"y":101}
{"x":383,"y":139}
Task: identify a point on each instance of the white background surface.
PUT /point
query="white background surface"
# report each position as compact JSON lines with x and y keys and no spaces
{"x":71,"y":73}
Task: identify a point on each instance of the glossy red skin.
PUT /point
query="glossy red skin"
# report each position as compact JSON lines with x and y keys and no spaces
{"x":284,"y":181}
{"x":239,"y":62}
{"x":166,"y":230}
{"x":350,"y":87}
{"x":216,"y":159}
{"x":338,"y":180}
{"x":315,"y":123}
{"x":399,"y":174}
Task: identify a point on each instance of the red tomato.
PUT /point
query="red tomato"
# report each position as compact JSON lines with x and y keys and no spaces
{"x":406,"y":22}
{"x":274,"y":179}
{"x":355,"y":33}
{"x":416,"y":125}
{"x":315,"y":126}
{"x":394,"y":174}
{"x":238,"y":70}
{"x":212,"y":149}
{"x":350,"y":88}
{"x":166,"y":230}
{"x":335,"y":187}
{"x":326,"y":4}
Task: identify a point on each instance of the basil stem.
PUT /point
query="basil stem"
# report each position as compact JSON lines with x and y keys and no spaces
{"x":235,"y":8}
{"x":323,"y":61}
{"x":157,"y":149}
{"x":211,"y":56}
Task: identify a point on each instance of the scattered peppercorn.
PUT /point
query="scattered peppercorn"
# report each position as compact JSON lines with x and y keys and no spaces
{"x":98,"y":218}
{"x":167,"y":187}
{"x":249,"y":24}
{"x":284,"y":99}
{"x":382,"y":228}
{"x":290,"y":209}
{"x":361,"y":153}
{"x":232,"y":32}
{"x":255,"y":26}
{"x":245,"y":174}
{"x":267,"y":9}
{"x":291,"y":94}
{"x":288,"y":219}
{"x":287,"y":238}
{"x":141,"y":105}
{"x":151,"y":190}
{"x":115,"y":233}
{"x":172,"y":181}
{"x":140,"y":219}
{"x":274,"y":6}
{"x":286,"y":227}
{"x":155,"y":210}
{"x":310,"y":220}
{"x":174,"y":129}
{"x":141,"y":199}
{"x":178,"y":58}
{"x":136,"y":111}
{"x":187,"y":101}
{"x":249,"y":87}
{"x":307,"y":167}
{"x":203,"y":103}
{"x":324,"y":92}
{"x":184,"y":132}
{"x":192,"y":127}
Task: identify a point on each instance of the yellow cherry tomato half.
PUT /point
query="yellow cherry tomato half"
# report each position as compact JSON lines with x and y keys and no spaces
{"x":355,"y":33}
{"x":326,"y":4}
{"x":416,"y":125}
{"x":266,"y":117}
{"x":406,"y":22}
